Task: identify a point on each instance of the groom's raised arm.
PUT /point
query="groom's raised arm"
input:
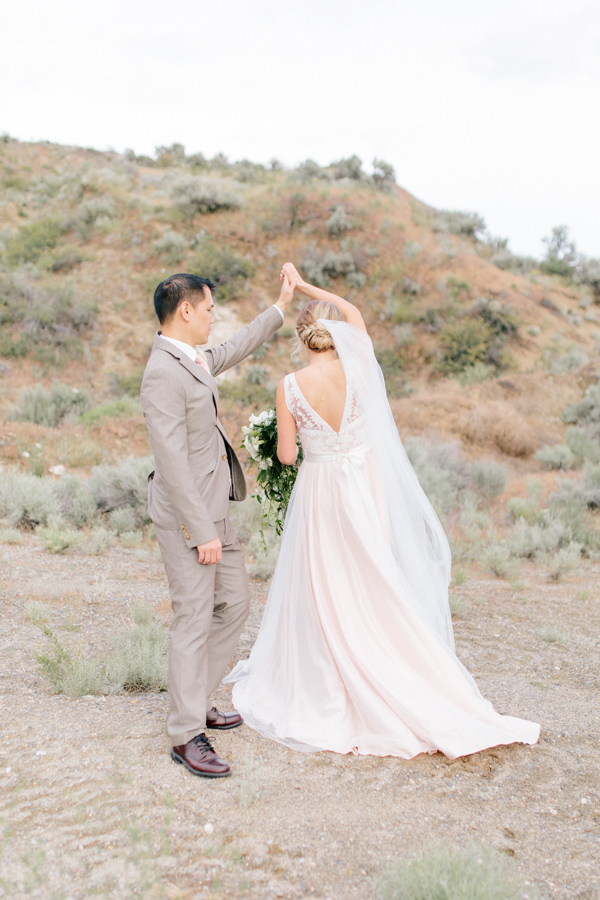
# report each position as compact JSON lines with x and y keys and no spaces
{"x":245,"y":341}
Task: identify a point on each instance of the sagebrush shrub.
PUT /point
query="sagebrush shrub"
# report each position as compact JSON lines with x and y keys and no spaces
{"x":439,"y":873}
{"x":565,"y":560}
{"x":171,"y":246}
{"x":587,"y":271}
{"x":75,"y":675}
{"x":122,"y":485}
{"x":338,"y":222}
{"x":583,"y":443}
{"x":138,"y":660}
{"x":586,"y":411}
{"x":50,"y":408}
{"x":49,"y":322}
{"x":223,"y":266}
{"x":76,"y":502}
{"x":33,"y":242}
{"x":201,"y":196}
{"x":464,"y":343}
{"x":122,"y":520}
{"x":57,"y":536}
{"x":349,"y":168}
{"x":320,"y":266}
{"x":489,"y":477}
{"x":467,"y":224}
{"x":27,"y":501}
{"x":556,"y":456}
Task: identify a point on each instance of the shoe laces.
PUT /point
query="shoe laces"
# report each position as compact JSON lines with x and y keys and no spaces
{"x":203,"y":743}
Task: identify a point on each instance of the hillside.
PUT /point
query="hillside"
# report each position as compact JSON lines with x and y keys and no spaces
{"x":86,"y":236}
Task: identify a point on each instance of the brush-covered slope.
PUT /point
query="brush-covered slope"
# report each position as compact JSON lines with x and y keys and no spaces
{"x":473,"y":342}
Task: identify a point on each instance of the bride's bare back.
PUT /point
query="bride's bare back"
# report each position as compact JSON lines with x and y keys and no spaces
{"x":323,"y":386}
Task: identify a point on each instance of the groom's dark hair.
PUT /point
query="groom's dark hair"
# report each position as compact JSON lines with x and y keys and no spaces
{"x":177,"y":288}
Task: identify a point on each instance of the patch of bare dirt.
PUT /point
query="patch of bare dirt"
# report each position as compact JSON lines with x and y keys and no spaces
{"x":91,"y":803}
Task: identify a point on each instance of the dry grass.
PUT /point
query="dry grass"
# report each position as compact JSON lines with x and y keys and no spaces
{"x":500,"y":424}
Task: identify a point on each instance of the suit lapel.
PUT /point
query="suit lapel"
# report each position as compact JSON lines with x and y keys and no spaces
{"x":193,"y":368}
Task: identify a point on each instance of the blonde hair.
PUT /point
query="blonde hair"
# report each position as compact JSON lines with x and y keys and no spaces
{"x":308,"y":330}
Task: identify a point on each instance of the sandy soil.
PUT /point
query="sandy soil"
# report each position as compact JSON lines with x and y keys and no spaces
{"x":92,"y":805}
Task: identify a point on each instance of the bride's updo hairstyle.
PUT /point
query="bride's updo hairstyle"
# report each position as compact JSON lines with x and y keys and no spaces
{"x":308,"y":330}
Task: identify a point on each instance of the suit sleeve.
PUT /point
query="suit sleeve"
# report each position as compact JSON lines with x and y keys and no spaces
{"x":164,"y":407}
{"x":246,"y":341}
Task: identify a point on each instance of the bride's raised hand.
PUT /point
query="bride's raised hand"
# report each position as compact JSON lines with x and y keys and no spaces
{"x":292,"y":273}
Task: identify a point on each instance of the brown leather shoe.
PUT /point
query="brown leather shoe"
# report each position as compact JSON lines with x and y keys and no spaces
{"x":223,"y":721}
{"x":199,"y":758}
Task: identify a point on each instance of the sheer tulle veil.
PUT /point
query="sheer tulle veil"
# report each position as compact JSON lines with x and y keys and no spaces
{"x":417,"y":538}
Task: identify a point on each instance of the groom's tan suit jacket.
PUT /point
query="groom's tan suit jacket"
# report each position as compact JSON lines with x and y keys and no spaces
{"x":196,"y":468}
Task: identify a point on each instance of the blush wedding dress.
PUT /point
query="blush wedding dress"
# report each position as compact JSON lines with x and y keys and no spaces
{"x":356,"y":653}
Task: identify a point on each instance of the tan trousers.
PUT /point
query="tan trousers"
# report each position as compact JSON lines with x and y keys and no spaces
{"x":210,"y":606}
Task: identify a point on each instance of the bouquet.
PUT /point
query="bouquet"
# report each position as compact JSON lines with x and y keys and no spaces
{"x":274,"y":480}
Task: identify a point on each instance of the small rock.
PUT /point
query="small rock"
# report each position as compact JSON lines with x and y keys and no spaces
{"x":209,"y":828}
{"x":57,"y":470}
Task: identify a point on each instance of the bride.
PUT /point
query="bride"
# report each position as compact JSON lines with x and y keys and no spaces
{"x":356,"y":653}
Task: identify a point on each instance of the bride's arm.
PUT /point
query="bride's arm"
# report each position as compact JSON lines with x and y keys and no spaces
{"x":350,"y":313}
{"x":287,"y":449}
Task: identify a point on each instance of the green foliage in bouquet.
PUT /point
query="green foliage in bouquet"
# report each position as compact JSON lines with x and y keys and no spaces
{"x":274,"y":480}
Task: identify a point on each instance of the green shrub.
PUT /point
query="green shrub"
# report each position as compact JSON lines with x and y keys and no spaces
{"x":569,"y":506}
{"x":350,"y":168}
{"x":457,"y":286}
{"x":75,"y":676}
{"x":77,"y":505}
{"x":565,"y":560}
{"x":392,"y":366}
{"x":33,"y":242}
{"x":522,"y":508}
{"x":384,"y":175}
{"x":97,"y":212}
{"x":558,"y":456}
{"x":256,"y":374}
{"x":474,"y":873}
{"x":200,"y":196}
{"x":265,"y":553}
{"x":442,"y":471}
{"x":123,"y":519}
{"x":320,"y":266}
{"x":138,"y":660}
{"x":57,"y":536}
{"x":49,"y":322}
{"x":553,"y":634}
{"x":172,"y":246}
{"x":583,"y":444}
{"x":561,"y":254}
{"x":466,"y":224}
{"x":308,"y":170}
{"x":574,"y":358}
{"x":228,"y":270}
{"x":463,"y":344}
{"x":50,"y":408}
{"x":531,"y":540}
{"x":497,"y":560}
{"x":100,"y":539}
{"x":10,"y":536}
{"x":122,"y":485}
{"x":37,"y":612}
{"x":590,"y":487}
{"x":240,"y":390}
{"x":26,"y":501}
{"x":489,"y":477}
{"x":501,"y":318}
{"x":587,"y":271}
{"x":124,"y":407}
{"x":338,"y":222}
{"x":587,"y":410}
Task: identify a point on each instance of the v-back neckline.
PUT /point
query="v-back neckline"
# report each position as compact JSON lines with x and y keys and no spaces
{"x":313,"y":410}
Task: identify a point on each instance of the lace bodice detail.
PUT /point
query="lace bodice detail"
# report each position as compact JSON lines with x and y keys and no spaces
{"x":319,"y":440}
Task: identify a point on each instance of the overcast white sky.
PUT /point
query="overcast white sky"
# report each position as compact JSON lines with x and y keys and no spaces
{"x":490,"y":107}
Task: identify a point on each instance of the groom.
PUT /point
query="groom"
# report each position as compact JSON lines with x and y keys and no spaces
{"x":197,"y":473}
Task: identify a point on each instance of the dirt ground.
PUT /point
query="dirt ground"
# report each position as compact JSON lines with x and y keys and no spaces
{"x":92,"y":805}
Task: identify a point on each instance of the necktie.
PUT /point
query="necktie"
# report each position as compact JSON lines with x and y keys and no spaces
{"x":201,"y":361}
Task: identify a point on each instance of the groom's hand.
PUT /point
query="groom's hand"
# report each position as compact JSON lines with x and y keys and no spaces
{"x":287,"y":292}
{"x":209,"y":554}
